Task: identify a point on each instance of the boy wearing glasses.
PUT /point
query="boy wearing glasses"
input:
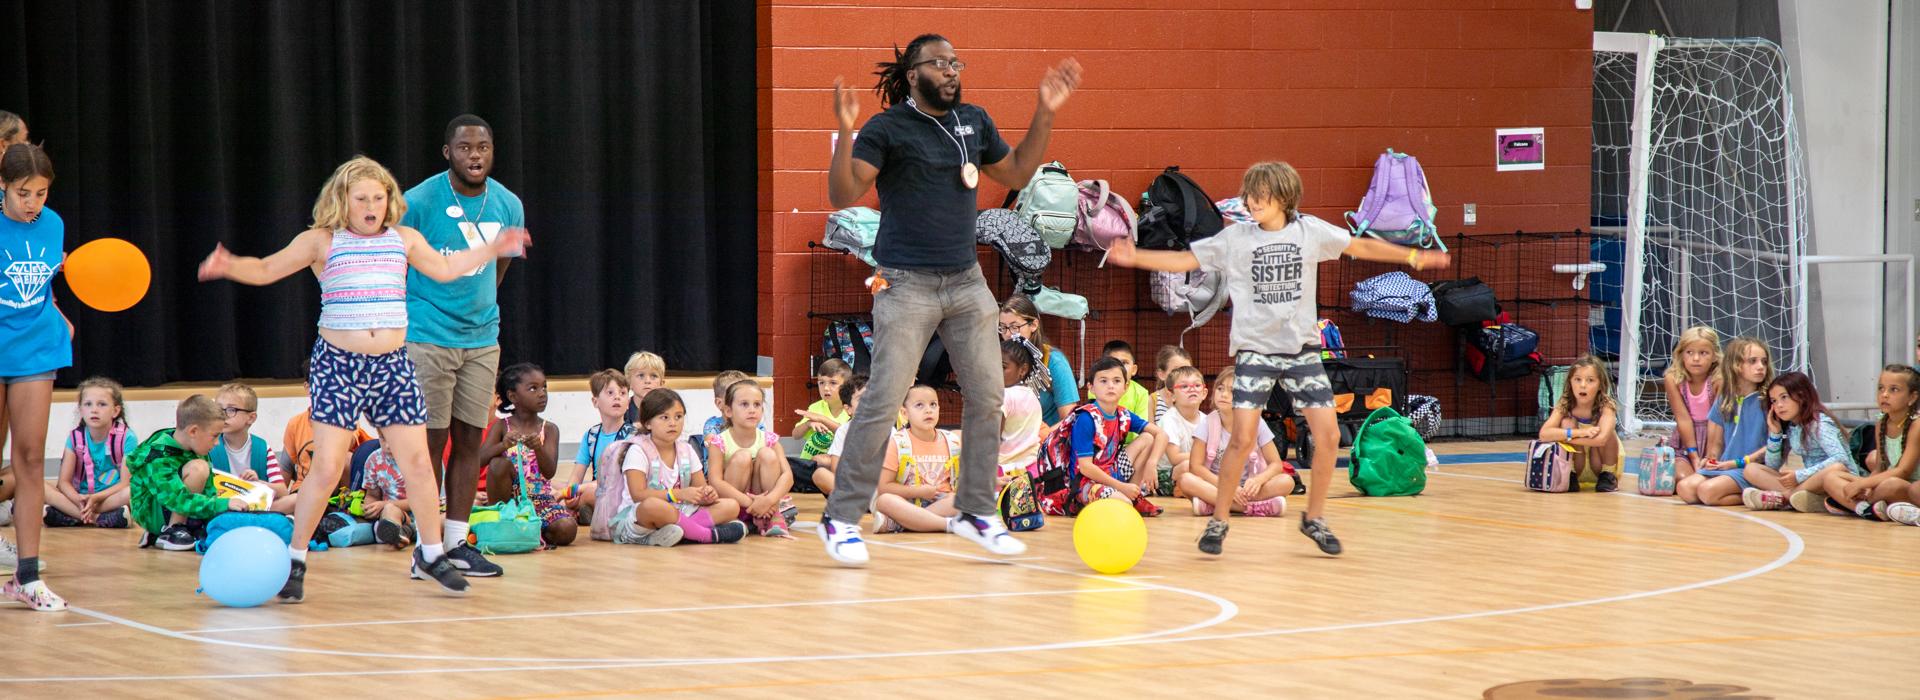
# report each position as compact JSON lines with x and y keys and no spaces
{"x":241,"y":454}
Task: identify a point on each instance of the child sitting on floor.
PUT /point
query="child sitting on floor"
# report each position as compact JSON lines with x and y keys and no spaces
{"x":526,"y":443}
{"x":826,"y":462}
{"x":916,"y":477}
{"x":92,"y":488}
{"x":170,"y":474}
{"x":664,"y":498}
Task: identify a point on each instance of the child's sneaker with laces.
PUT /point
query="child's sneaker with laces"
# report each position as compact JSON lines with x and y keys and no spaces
{"x":36,"y":595}
{"x":10,"y":556}
{"x":1317,"y":530}
{"x":843,"y":541}
{"x":666,"y":535}
{"x":1212,"y":538}
{"x":1267,"y":508}
{"x":1808,"y":502}
{"x":987,"y":532}
{"x":1607,"y":482}
{"x":55,"y":518}
{"x":1756,"y":499}
{"x":176,"y":538}
{"x":1903,"y":513}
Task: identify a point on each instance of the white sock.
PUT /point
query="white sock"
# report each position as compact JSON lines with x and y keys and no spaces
{"x":432,"y":552}
{"x":453,"y":533}
{"x":299,"y":555}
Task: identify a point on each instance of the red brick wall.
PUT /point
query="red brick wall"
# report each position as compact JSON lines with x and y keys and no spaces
{"x":1211,"y":87}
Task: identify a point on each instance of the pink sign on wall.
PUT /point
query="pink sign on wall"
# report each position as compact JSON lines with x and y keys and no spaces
{"x":1520,"y":149}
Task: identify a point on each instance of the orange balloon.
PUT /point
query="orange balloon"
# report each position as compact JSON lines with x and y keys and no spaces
{"x":108,"y":274}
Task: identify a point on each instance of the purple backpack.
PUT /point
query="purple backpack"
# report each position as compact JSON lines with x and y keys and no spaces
{"x":1398,"y":208}
{"x":1104,"y":217}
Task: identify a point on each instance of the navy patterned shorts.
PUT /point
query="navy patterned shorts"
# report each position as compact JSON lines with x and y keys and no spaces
{"x":1299,"y":374}
{"x":347,"y":385}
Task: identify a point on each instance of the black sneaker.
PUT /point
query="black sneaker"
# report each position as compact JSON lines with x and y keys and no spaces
{"x":1607,"y":482}
{"x":1322,"y":535}
{"x":114,"y":520}
{"x":469,"y":562}
{"x":442,"y":571}
{"x":391,"y":534}
{"x":176,"y":538}
{"x":295,"y":589}
{"x":1573,"y":483}
{"x":729,"y":533}
{"x":1211,"y":540}
{"x":55,"y":518}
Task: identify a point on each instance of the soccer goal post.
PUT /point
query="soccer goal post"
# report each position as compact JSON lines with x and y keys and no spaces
{"x":1700,"y":198}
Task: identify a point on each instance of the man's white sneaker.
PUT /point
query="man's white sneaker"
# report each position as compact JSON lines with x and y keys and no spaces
{"x":843,"y":541}
{"x":986,"y":532}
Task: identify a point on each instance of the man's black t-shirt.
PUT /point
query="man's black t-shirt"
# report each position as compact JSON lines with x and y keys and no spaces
{"x":926,"y":211}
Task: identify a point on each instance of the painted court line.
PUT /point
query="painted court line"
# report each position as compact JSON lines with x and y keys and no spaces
{"x":647,"y":611}
{"x":1227,"y":611}
{"x":1795,"y":547}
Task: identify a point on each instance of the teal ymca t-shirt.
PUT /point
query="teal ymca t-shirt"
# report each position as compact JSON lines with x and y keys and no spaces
{"x":463,"y":313}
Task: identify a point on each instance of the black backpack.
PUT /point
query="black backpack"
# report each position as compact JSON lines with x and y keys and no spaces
{"x":1175,"y":213}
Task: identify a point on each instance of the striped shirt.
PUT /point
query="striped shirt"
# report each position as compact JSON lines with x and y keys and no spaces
{"x":364,"y":284}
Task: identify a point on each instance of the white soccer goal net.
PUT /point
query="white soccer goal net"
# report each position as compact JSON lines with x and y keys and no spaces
{"x":1699,"y":197}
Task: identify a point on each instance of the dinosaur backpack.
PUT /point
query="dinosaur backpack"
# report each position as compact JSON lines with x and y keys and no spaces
{"x":1389,"y":458}
{"x":1398,"y":207}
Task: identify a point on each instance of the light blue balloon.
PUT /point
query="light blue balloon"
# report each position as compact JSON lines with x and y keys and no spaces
{"x":245,"y":567}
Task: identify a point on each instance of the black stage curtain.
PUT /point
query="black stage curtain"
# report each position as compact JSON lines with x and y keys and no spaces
{"x":627,"y":128}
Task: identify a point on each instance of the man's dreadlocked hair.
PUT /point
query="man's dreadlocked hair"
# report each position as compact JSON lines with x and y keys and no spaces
{"x":892,"y":87}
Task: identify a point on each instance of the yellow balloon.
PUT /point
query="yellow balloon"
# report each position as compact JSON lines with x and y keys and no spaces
{"x":1110,"y":536}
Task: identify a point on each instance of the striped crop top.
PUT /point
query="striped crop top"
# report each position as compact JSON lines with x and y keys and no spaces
{"x":364,"y":283}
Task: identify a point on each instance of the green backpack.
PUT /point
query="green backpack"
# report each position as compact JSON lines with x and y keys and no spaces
{"x":1389,"y":458}
{"x":508,"y":527}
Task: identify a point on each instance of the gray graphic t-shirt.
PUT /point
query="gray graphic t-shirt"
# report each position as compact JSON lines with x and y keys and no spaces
{"x":1271,"y":280}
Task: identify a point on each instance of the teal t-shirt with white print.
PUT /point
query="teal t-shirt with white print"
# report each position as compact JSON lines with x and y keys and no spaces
{"x":463,"y":313}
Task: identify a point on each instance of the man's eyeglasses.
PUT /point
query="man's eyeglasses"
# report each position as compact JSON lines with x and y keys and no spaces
{"x":943,"y":64}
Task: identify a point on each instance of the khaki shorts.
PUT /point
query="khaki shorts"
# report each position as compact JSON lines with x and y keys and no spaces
{"x":458,"y":382}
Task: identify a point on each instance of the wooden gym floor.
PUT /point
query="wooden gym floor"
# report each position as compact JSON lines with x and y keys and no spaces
{"x":1476,"y":589}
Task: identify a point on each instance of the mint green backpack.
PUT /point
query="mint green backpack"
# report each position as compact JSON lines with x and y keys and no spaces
{"x":1389,"y":458}
{"x":508,"y":527}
